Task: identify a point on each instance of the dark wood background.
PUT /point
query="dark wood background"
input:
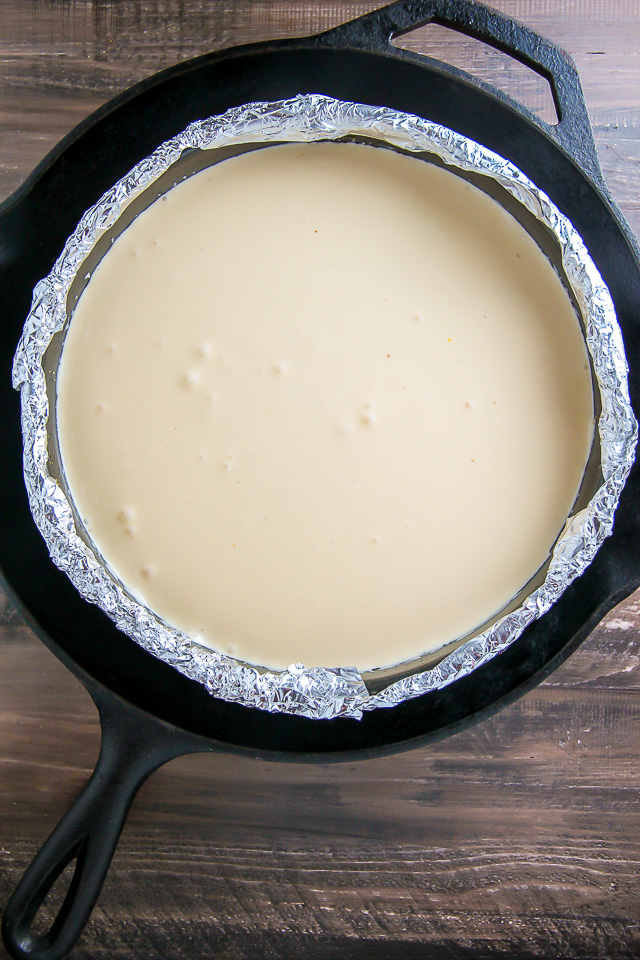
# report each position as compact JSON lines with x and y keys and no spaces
{"x":518,"y":838}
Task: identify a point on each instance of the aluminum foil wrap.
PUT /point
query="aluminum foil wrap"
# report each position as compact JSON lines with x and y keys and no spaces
{"x":321,"y":693}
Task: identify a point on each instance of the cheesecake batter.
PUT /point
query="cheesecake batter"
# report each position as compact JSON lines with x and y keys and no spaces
{"x":324,"y":404}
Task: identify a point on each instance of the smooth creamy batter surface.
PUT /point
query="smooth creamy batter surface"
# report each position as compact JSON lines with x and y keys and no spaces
{"x":324,"y":404}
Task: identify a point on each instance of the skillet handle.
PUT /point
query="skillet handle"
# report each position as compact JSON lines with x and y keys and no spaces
{"x":133,"y":746}
{"x":573,"y":132}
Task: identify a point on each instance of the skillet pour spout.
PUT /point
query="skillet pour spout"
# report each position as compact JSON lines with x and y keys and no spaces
{"x":145,"y":725}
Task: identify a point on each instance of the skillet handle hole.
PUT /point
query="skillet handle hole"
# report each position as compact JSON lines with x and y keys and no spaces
{"x":53,"y":903}
{"x":486,"y":63}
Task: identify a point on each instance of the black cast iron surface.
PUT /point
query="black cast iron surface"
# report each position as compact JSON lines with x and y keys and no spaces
{"x":147,"y":723}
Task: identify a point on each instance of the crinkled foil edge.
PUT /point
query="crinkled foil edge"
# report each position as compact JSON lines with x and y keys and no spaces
{"x":320,"y":693}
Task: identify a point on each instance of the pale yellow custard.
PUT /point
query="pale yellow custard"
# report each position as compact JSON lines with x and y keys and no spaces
{"x":324,"y":404}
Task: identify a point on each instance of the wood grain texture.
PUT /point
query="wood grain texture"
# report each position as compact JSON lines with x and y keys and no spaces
{"x":519,"y":838}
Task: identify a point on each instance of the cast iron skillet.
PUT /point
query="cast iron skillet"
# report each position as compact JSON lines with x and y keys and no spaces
{"x":150,"y":713}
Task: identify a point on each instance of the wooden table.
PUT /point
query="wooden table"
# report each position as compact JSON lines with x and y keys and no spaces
{"x":517,"y":838}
